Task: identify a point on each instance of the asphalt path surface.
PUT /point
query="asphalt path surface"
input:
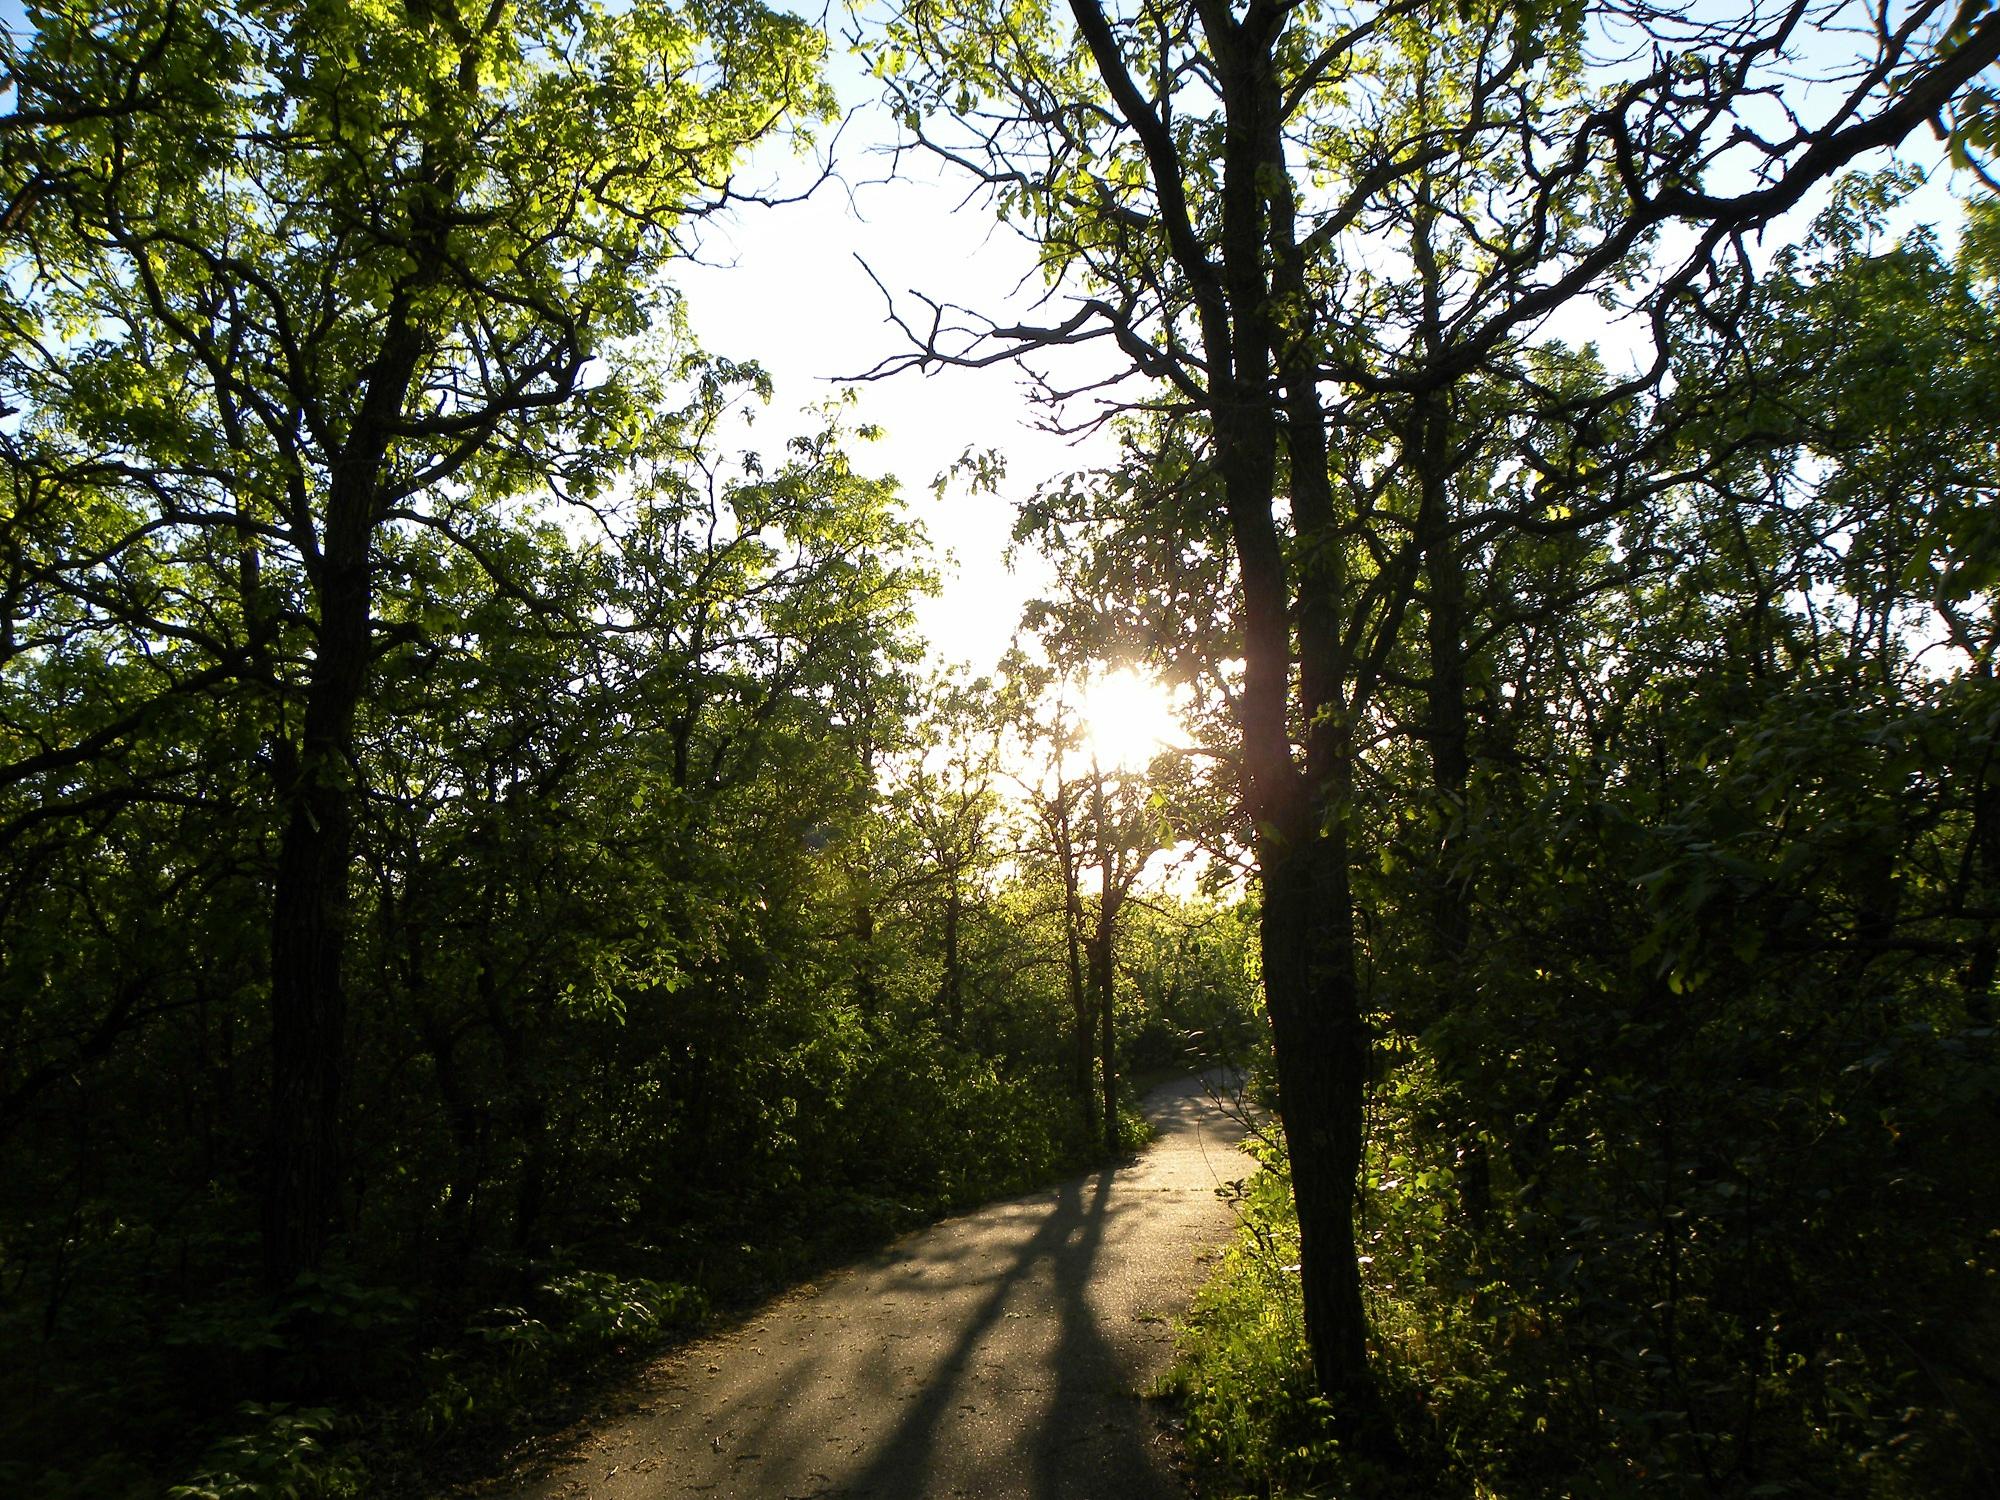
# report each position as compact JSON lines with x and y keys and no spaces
{"x":1004,"y":1353}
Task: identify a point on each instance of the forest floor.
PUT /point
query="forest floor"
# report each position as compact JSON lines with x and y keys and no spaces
{"x":1004,"y":1353}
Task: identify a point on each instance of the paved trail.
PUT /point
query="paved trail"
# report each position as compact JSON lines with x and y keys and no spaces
{"x":998,"y":1355}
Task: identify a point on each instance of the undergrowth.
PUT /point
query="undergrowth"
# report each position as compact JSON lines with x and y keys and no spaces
{"x":508,"y":1358}
{"x":1509,"y":1370}
{"x":1254,"y":1424}
{"x":401,"y":1399}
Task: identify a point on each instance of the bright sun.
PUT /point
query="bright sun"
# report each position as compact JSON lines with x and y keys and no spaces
{"x":1127,"y":720}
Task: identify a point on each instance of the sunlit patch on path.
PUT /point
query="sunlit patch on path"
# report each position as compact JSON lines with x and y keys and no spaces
{"x":1000,"y":1354}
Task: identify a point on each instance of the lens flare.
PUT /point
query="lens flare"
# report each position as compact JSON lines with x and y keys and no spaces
{"x":1128,"y":719}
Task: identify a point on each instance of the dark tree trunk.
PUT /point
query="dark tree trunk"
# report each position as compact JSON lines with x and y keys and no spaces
{"x":951,"y":987}
{"x":529,"y":1111}
{"x":1321,"y":1048}
{"x":459,"y":1233}
{"x":1083,"y":1047}
{"x":1312,"y":988}
{"x":1427,"y":447}
{"x":310,"y":906}
{"x":1107,"y":1046}
{"x":1315,"y":999}
{"x":531,"y":1237}
{"x":1082,"y":1051}
{"x":309,"y":933}
{"x":1102,"y":949}
{"x":1447,"y":730}
{"x":1983,"y":855}
{"x":867,"y":985}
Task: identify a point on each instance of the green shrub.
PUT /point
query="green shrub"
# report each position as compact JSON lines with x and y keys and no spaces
{"x":1243,"y":1375}
{"x":283,"y":1455}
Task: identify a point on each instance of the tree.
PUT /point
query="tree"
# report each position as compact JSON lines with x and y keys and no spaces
{"x":312,"y":281}
{"x":1196,"y":178}
{"x":948,"y":796}
{"x":1055,"y":812}
{"x":586,"y":802}
{"x":1126,"y":833}
{"x":1107,"y":817}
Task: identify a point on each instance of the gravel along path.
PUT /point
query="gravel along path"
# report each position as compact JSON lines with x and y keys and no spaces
{"x":997,"y":1355}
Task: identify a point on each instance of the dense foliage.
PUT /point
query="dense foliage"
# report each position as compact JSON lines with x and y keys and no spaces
{"x":1686,"y":1182}
{"x":481,"y":873}
{"x":1607,"y":726}
{"x":1325,"y":243}
{"x":484,"y":869}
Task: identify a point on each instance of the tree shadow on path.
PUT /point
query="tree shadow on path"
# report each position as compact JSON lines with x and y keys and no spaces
{"x":1088,"y":1435}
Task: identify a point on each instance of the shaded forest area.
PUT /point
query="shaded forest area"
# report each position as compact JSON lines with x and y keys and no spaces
{"x":1680,"y":1169}
{"x":484,"y":869}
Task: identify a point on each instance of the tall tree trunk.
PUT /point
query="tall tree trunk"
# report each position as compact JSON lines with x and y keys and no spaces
{"x":1312,"y":992}
{"x":1082,"y":1052}
{"x":1102,"y":948}
{"x":311,"y":901}
{"x":459,"y":1232}
{"x":1312,"y":989}
{"x":309,"y":930}
{"x":1427,"y":448}
{"x":1982,"y":854}
{"x":1315,"y":1000}
{"x":1083,"y":1048}
{"x":1311,"y":986}
{"x":867,"y":985}
{"x":1447,"y":731}
{"x":951,"y":986}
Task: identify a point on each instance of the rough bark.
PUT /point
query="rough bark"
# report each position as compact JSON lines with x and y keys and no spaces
{"x":309,"y":930}
{"x":311,"y":904}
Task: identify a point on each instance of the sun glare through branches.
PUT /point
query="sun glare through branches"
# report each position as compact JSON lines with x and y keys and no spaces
{"x":1128,"y":719}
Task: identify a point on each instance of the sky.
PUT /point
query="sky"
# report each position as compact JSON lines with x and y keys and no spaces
{"x":787,"y":286}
